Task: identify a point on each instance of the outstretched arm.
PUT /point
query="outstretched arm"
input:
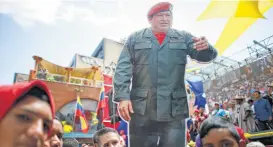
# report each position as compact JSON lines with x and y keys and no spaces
{"x":199,"y":48}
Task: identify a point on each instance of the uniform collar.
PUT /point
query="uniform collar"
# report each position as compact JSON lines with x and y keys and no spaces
{"x":149,"y":33}
{"x":171,"y":33}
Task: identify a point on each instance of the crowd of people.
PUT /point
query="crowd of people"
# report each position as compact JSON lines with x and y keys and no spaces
{"x":242,"y":87}
{"x":243,"y":81}
{"x":246,"y":115}
{"x":149,"y":88}
{"x":27,"y":119}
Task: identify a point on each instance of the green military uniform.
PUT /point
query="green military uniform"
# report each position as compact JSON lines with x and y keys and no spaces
{"x":158,"y":92}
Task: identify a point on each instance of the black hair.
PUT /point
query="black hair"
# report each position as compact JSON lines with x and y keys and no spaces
{"x":36,"y":92}
{"x":202,"y":107}
{"x":250,"y":100}
{"x":59,"y":120}
{"x":257,"y":92}
{"x":266,"y":97}
{"x":101,"y":132}
{"x":70,"y":142}
{"x":60,"y":135}
{"x":217,"y":123}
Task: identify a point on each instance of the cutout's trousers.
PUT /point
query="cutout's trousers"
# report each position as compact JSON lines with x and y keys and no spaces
{"x":149,"y":133}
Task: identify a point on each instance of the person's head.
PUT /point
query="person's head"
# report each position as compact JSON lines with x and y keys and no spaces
{"x":121,"y":132}
{"x":231,"y":104}
{"x":250,"y":101}
{"x":216,"y":132}
{"x":257,"y":94}
{"x":122,"y":142}
{"x":239,"y":100}
{"x":196,"y":112}
{"x":217,"y":106}
{"x":26,"y":114}
{"x":70,"y":142}
{"x":56,"y":138}
{"x":160,"y":17}
{"x":107,"y":137}
{"x":201,"y":110}
{"x":255,"y":144}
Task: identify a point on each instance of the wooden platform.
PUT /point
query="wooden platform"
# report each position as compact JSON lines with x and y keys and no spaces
{"x":64,"y":93}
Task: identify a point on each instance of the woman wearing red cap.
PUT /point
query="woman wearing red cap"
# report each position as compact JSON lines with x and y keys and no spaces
{"x":153,"y":63}
{"x":26,"y":114}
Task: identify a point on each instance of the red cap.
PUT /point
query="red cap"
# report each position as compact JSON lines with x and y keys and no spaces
{"x":241,"y":133}
{"x":159,"y":7}
{"x":10,"y":93}
{"x":196,"y":111}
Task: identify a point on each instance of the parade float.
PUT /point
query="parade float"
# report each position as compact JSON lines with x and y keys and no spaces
{"x":66,"y":85}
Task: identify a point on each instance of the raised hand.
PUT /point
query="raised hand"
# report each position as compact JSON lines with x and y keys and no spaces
{"x":200,"y":43}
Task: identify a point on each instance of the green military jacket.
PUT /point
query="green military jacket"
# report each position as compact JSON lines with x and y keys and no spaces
{"x":152,"y":75}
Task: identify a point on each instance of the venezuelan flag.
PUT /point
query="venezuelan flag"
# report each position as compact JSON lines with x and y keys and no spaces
{"x":79,"y":113}
{"x":102,"y":103}
{"x":102,"y":94}
{"x":103,"y":107}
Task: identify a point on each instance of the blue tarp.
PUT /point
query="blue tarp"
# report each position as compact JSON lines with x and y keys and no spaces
{"x":78,"y":135}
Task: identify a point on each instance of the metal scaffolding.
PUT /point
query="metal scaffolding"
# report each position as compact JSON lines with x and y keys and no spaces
{"x":222,"y":64}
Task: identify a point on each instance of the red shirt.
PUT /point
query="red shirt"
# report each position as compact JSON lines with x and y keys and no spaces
{"x":160,"y":37}
{"x":188,"y":137}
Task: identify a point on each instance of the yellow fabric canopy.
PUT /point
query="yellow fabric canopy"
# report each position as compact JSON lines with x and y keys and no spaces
{"x":93,"y":73}
{"x":51,"y":68}
{"x":87,"y":73}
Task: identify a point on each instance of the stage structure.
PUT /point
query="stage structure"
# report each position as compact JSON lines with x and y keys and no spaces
{"x":222,"y":64}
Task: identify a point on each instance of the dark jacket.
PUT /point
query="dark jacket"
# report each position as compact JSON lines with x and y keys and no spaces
{"x":157,"y":73}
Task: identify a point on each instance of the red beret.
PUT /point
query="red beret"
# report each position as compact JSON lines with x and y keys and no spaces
{"x":10,"y":93}
{"x":159,"y":7}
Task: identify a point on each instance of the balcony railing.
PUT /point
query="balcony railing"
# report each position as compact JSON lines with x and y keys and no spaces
{"x":51,"y":77}
{"x":72,"y":80}
{"x":85,"y":82}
